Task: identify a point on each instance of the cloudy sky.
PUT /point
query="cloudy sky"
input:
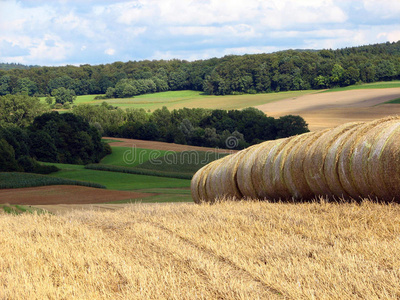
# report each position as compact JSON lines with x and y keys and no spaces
{"x":76,"y":32}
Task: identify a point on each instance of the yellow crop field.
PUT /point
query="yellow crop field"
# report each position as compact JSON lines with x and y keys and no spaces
{"x":228,"y":250}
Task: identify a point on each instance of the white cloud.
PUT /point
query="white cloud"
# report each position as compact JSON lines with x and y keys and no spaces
{"x":238,"y":30}
{"x":101,"y":31}
{"x":391,"y":36}
{"x":383,"y":8}
{"x":110,"y":51}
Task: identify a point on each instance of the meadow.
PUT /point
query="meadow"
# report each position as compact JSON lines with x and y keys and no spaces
{"x":165,"y":174}
{"x":196,"y":99}
{"x":193,"y":99}
{"x":373,"y":85}
{"x":12,"y":180}
{"x":120,"y":181}
{"x":230,"y":250}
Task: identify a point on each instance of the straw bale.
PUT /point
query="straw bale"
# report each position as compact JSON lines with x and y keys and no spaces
{"x":245,"y":170}
{"x":331,"y":162}
{"x":202,"y":183}
{"x":199,"y":188}
{"x":212,"y":180}
{"x":350,"y":156}
{"x":263,"y":159}
{"x":229,"y":182}
{"x":293,"y":169}
{"x":383,"y":169}
{"x":275,"y":172}
{"x":315,"y":160}
{"x":361,"y":155}
{"x":194,"y":186}
{"x":390,"y":169}
{"x":354,"y":160}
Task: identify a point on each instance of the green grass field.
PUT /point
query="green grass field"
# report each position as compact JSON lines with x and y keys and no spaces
{"x":121,"y":181}
{"x":12,"y":180}
{"x":131,"y":157}
{"x":374,"y":85}
{"x":394,"y":101}
{"x":194,"y":99}
{"x":188,"y":162}
{"x":155,"y":163}
{"x":20,"y":209}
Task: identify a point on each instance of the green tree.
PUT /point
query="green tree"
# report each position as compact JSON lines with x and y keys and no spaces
{"x":337,"y":74}
{"x":5,"y":85}
{"x":49,"y":100}
{"x":20,"y":110}
{"x":8,"y":162}
{"x":25,"y":86}
{"x":291,"y":125}
{"x":74,"y":139}
{"x":63,"y":95}
{"x":163,"y":119}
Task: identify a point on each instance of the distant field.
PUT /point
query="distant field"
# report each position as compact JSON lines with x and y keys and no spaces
{"x":394,"y":101}
{"x":13,"y":180}
{"x":194,"y":99}
{"x":131,"y":157}
{"x":122,"y":181}
{"x":374,"y":85}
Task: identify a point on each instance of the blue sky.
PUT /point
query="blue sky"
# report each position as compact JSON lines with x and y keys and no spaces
{"x":76,"y":32}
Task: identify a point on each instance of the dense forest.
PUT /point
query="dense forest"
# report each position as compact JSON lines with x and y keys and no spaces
{"x":29,"y":133}
{"x":280,"y":71}
{"x":234,"y":129}
{"x":10,"y":66}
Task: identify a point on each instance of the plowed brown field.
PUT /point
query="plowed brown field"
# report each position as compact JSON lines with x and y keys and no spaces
{"x":65,"y":194}
{"x":120,"y":142}
{"x":325,"y":110}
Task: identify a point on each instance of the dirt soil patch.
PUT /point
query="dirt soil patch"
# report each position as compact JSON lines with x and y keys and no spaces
{"x":65,"y":194}
{"x":162,"y":146}
{"x":325,"y":110}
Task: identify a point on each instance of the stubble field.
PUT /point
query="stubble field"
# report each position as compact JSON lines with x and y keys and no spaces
{"x":230,"y":250}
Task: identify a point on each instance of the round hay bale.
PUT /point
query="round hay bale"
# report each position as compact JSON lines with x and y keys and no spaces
{"x":194,"y":186}
{"x":389,"y":169}
{"x":271,"y":172}
{"x":263,"y":158}
{"x":350,"y":156}
{"x":382,"y":169}
{"x":244,"y":171}
{"x":198,"y":196}
{"x":276,"y":172}
{"x":331,"y":162}
{"x":212,"y":184}
{"x":361,"y":155}
{"x":293,"y":168}
{"x":229,"y":181}
{"x":202,"y":183}
{"x":315,"y":160}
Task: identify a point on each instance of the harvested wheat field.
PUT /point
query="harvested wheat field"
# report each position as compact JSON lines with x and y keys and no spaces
{"x":325,"y":110}
{"x":65,"y":194}
{"x":229,"y":250}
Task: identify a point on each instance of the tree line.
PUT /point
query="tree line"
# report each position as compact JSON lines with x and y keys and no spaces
{"x":234,"y":129}
{"x":280,"y":71}
{"x":29,"y":133}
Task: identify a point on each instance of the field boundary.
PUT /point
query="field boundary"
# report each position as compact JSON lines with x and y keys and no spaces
{"x":138,"y":171}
